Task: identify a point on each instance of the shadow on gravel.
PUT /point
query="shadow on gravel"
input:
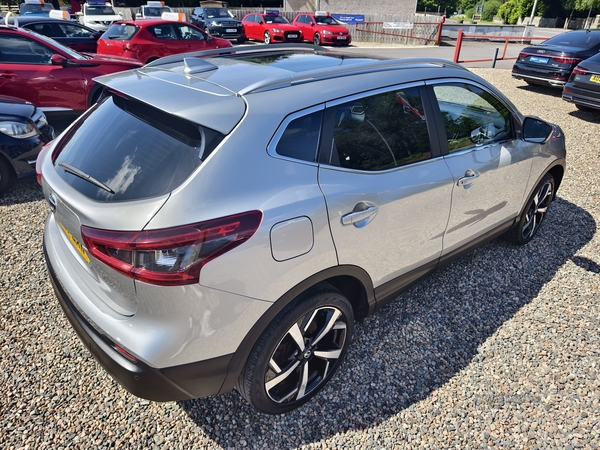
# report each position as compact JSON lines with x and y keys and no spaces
{"x":24,"y":190}
{"x":414,"y":345}
{"x":588,"y":116}
{"x":546,"y":90}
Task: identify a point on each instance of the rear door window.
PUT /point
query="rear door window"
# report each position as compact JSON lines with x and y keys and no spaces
{"x":133,"y":150}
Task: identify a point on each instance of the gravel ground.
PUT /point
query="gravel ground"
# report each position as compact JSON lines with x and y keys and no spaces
{"x":500,"y":349}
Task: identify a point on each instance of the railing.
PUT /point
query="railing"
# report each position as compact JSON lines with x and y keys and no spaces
{"x":418,"y":31}
{"x":517,"y":39}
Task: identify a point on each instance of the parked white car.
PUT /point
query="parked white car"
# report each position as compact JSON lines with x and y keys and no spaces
{"x":98,"y":15}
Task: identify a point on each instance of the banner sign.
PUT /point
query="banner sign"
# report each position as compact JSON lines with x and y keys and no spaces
{"x":398,"y":25}
{"x":349,"y":18}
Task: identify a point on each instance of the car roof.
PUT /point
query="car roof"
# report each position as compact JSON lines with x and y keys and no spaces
{"x":150,"y":22}
{"x":215,"y":77}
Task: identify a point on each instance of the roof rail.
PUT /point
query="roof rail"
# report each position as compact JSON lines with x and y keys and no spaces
{"x":346,"y":71}
{"x":237,"y":50}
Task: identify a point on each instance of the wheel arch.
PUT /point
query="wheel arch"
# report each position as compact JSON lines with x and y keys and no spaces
{"x":95,"y":93}
{"x":352,"y":281}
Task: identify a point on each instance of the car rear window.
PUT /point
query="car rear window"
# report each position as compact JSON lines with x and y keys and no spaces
{"x":585,"y":40}
{"x":128,"y":150}
{"x":120,"y":32}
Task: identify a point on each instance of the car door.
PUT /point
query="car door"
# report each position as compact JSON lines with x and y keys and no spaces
{"x":168,"y":42}
{"x":26,"y":71}
{"x":252,"y":27}
{"x":386,"y":186}
{"x":192,"y":40}
{"x":489,"y":164}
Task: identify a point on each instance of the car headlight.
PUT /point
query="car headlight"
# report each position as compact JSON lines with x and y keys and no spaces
{"x":18,"y":130}
{"x":277,"y":30}
{"x":327,"y":32}
{"x":215,"y":24}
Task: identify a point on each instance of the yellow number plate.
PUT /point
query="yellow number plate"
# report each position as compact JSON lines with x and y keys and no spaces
{"x":76,"y":243}
{"x":595,"y":78}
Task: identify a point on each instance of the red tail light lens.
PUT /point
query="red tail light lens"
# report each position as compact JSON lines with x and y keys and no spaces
{"x":567,"y":60}
{"x":172,"y":256}
{"x":129,"y":47}
{"x":38,"y":162}
{"x":580,"y":71}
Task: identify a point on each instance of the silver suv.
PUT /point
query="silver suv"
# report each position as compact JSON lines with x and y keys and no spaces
{"x":220,"y":219}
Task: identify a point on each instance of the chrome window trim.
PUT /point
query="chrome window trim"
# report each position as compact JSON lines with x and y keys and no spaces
{"x":372,"y":92}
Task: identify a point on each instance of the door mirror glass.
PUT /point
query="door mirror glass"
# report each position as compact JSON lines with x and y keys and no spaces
{"x":536,"y":130}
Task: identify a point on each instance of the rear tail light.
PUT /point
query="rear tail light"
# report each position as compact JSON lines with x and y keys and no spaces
{"x":566,"y":60}
{"x":580,"y":71}
{"x":38,"y":162}
{"x":129,"y":47}
{"x":171,"y":256}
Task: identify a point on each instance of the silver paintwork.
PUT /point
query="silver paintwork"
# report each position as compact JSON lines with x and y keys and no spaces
{"x":387,"y":223}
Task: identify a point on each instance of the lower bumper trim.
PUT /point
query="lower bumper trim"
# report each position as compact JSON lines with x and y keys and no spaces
{"x":183,"y":382}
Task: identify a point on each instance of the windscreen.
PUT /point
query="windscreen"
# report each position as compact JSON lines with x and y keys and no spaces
{"x":126,"y":150}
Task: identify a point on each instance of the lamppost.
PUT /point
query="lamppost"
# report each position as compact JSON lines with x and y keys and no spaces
{"x":533,"y":12}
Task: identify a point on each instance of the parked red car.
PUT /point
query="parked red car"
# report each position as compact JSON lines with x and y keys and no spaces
{"x":322,"y":29}
{"x":147,"y":40}
{"x":53,"y":77}
{"x":270,"y":28}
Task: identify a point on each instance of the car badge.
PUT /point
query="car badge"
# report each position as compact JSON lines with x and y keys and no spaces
{"x":541,"y":51}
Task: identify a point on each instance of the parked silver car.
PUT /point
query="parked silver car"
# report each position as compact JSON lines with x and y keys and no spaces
{"x":220,"y":219}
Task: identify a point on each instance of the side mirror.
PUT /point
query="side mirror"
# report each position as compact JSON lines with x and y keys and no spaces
{"x":79,"y":14}
{"x":138,"y":15}
{"x":58,"y":60}
{"x":260,"y":22}
{"x":536,"y":130}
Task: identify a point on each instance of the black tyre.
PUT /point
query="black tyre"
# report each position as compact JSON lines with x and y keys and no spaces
{"x":241,"y":40}
{"x":267,"y":37}
{"x":6,"y":174}
{"x":317,"y":39}
{"x":534,"y":212}
{"x":299,"y":352}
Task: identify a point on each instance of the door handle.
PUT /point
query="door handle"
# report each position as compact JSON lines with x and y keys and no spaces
{"x":8,"y":75}
{"x":468,"y":179}
{"x":357,"y":216}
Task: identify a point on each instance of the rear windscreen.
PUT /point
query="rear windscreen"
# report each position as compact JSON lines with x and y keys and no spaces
{"x":126,"y":150}
{"x":585,"y":40}
{"x":120,"y":32}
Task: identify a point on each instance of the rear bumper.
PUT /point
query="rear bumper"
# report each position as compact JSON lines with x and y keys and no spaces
{"x":167,"y":384}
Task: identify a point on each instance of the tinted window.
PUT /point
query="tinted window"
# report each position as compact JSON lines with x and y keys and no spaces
{"x":133,"y":149}
{"x":188,"y":33}
{"x":44,"y":28}
{"x":576,"y":39}
{"x":381,"y":132}
{"x":18,"y":49}
{"x":472,"y":116}
{"x":120,"y":32}
{"x":300,"y":140}
{"x":165,"y":32}
{"x":73,"y":31}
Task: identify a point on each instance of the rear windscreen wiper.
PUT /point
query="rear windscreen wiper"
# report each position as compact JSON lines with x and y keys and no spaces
{"x":84,"y":176}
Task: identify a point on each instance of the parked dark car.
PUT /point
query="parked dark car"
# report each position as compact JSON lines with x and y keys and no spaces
{"x":23,"y":132}
{"x":551,"y":62}
{"x":583,"y":87}
{"x":219,"y":22}
{"x":68,"y":33}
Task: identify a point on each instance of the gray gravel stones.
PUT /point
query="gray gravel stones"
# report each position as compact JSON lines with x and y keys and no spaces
{"x":501,"y":349}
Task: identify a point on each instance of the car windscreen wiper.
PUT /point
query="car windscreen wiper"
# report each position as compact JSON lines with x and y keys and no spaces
{"x":84,"y":176}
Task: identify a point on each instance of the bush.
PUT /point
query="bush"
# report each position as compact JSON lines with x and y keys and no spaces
{"x":490,"y":9}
